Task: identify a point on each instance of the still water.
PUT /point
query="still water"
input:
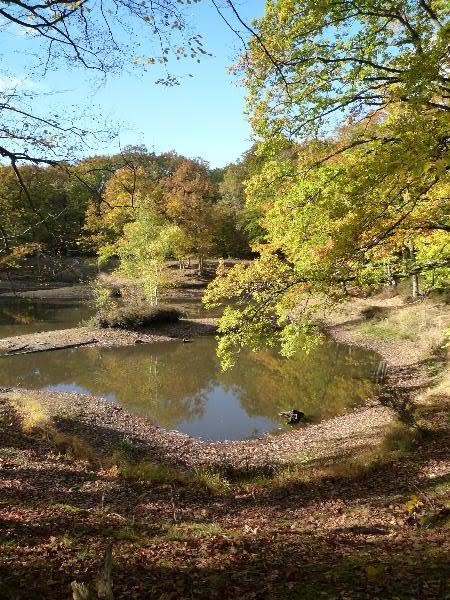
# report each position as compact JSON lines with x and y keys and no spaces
{"x":25,"y":315}
{"x":181,"y":386}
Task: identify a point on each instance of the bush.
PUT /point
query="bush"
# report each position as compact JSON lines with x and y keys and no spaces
{"x":135,"y":317}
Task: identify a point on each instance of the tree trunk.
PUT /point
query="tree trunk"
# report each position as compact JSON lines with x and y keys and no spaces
{"x":200,"y":266}
{"x":415,"y":285}
{"x":390,"y":277}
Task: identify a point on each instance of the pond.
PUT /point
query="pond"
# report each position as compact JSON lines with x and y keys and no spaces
{"x":29,"y":315}
{"x":181,"y":386}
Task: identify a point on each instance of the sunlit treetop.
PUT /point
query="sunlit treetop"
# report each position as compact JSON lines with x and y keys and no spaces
{"x":322,"y":62}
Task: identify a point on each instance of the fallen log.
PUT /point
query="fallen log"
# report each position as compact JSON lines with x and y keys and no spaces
{"x":15,"y":352}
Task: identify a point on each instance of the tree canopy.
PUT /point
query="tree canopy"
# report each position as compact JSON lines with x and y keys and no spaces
{"x":351,"y":104}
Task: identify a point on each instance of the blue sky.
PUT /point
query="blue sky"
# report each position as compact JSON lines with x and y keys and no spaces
{"x":203,"y":117}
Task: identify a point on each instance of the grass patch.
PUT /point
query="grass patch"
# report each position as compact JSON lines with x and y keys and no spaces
{"x":145,"y":470}
{"x":385,"y":332}
{"x":135,"y":316}
{"x":7,"y":544}
{"x":187,"y":531}
{"x":440,"y":390}
{"x":440,"y":488}
{"x":127,"y":447}
{"x":400,"y":439}
{"x":32,"y":415}
{"x":127,"y":534}
{"x":159,"y":473}
{"x":422,"y":322}
{"x":35,"y":420}
{"x":210,"y":479}
{"x":70,"y":508}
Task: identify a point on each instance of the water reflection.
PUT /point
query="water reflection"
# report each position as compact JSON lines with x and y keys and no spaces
{"x":25,"y":315}
{"x":182,"y":386}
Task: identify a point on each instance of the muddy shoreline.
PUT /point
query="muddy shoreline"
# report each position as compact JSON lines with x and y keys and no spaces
{"x":92,"y":336}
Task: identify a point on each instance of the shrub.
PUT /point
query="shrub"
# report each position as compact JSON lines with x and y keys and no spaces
{"x":135,"y":317}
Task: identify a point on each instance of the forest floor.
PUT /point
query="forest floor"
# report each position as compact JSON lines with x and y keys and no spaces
{"x":357,"y":507}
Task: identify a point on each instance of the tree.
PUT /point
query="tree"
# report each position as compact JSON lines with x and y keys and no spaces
{"x":101,"y":37}
{"x":96,"y":36}
{"x":143,"y":250}
{"x":189,"y":200}
{"x":314,"y":64}
{"x":355,"y":182}
{"x":240,"y":222}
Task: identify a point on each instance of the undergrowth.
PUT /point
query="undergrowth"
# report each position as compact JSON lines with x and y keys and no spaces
{"x":423,"y":322}
{"x":35,"y":420}
{"x":134,"y":316}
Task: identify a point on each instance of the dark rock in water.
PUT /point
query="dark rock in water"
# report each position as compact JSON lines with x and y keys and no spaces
{"x":186,"y":341}
{"x":294,"y":416}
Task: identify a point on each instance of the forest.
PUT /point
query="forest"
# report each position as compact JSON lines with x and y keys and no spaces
{"x":237,"y":381}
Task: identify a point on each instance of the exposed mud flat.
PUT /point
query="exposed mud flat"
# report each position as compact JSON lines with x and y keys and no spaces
{"x":91,"y":336}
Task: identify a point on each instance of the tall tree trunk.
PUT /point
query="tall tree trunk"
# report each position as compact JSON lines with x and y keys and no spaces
{"x":415,"y":285}
{"x":414,"y":276}
{"x":200,"y":266}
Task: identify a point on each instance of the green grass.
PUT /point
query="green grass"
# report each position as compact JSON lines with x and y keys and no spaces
{"x":8,"y":544}
{"x":145,"y":470}
{"x":385,"y":332}
{"x":210,"y":479}
{"x":191,"y":530}
{"x":422,"y":322}
{"x":125,"y":534}
{"x":70,"y":508}
{"x":400,"y":439}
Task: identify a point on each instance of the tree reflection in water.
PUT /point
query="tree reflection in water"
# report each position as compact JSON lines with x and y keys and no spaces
{"x":182,"y":386}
